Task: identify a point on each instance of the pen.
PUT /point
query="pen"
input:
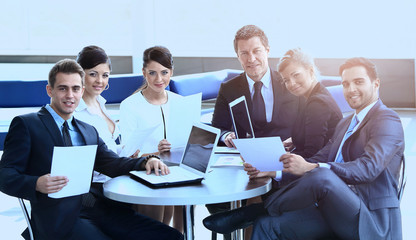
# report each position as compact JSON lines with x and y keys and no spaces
{"x":293,"y":149}
{"x":164,"y":124}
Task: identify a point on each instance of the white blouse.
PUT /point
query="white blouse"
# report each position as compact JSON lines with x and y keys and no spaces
{"x":83,"y":113}
{"x":137,"y":114}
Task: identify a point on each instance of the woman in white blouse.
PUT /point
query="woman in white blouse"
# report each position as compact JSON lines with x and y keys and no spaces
{"x":147,"y":109}
{"x":91,"y":109}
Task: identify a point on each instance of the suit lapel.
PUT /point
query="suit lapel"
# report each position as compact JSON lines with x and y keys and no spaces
{"x":276,"y":85}
{"x":244,"y":88}
{"x":51,"y":126}
{"x":86,"y":135}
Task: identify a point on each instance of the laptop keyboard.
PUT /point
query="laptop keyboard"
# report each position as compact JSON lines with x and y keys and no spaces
{"x":179,"y":174}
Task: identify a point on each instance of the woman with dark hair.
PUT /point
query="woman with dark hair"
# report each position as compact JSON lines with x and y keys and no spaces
{"x":91,"y":108}
{"x":148,"y":108}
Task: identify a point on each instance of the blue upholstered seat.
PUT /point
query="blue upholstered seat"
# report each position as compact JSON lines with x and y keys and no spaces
{"x":208,"y":83}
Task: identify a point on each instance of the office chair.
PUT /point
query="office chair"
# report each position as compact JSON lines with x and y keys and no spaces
{"x":27,"y":217}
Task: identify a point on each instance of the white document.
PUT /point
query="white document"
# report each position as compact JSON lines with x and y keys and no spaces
{"x":183,"y":113}
{"x":261,"y":153}
{"x":229,"y":161}
{"x":225,"y":149}
{"x":139,"y":140}
{"x":76,"y":163}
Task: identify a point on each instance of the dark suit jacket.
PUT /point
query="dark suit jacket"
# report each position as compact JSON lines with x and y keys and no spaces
{"x":28,"y":150}
{"x":284,"y":107}
{"x":372,"y":156}
{"x":316,"y":122}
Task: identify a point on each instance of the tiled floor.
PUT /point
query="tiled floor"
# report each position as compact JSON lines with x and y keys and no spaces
{"x":12,"y":222}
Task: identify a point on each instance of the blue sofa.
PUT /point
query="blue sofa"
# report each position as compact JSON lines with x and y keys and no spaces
{"x":333,"y":84}
{"x":208,"y":83}
{"x":23,"y":93}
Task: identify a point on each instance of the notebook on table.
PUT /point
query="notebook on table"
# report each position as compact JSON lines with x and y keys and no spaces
{"x":195,"y":162}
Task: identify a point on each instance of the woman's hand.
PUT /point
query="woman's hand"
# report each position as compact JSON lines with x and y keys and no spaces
{"x":164,"y":146}
{"x":253,"y":172}
{"x":136,"y":154}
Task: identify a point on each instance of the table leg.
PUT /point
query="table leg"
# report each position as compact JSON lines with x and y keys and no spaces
{"x":239,"y":233}
{"x":188,"y":222}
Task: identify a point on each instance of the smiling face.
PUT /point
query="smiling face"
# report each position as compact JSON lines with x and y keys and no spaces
{"x":96,"y":79}
{"x":65,"y":94}
{"x":253,"y":55}
{"x":298,"y":79}
{"x":359,"y":89}
{"x":157,"y":76}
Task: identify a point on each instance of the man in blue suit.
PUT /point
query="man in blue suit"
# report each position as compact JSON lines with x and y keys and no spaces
{"x":349,"y":189}
{"x":26,"y":164}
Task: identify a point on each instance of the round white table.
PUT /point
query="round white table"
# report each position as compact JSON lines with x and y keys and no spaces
{"x":222,"y":184}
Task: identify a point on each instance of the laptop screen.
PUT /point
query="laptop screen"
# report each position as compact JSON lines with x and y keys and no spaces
{"x":241,"y":118}
{"x":199,"y":148}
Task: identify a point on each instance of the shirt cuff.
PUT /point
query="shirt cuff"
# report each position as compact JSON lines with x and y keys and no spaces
{"x":223,"y":136}
{"x":278,"y":176}
{"x":325,"y":165}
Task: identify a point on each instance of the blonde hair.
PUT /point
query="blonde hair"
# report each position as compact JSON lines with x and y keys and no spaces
{"x":296,"y":55}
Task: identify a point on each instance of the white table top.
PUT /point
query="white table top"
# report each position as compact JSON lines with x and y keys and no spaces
{"x":222,"y":184}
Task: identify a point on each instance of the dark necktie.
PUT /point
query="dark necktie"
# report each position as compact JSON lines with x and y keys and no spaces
{"x":259,"y":110}
{"x":65,"y":134}
{"x":354,"y":122}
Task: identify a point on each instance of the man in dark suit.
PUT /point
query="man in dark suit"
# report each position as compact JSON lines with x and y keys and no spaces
{"x":347,"y":190}
{"x":26,"y":164}
{"x":274,"y":111}
{"x":272,"y":108}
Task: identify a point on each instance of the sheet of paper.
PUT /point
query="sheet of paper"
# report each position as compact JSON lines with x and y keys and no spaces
{"x":229,"y":161}
{"x":224,"y":149}
{"x":139,"y":140}
{"x":262,"y":153}
{"x":76,"y":163}
{"x":183,"y":113}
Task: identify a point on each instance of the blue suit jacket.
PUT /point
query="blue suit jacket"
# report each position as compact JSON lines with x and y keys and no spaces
{"x":28,"y":150}
{"x":285,"y":106}
{"x":372,"y":155}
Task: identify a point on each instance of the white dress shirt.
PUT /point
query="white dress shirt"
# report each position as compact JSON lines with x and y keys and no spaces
{"x":266,"y":92}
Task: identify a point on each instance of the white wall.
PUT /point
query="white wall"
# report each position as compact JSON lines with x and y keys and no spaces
{"x":327,"y":29}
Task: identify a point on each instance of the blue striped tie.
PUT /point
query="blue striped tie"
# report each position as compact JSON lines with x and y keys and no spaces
{"x":353,"y":123}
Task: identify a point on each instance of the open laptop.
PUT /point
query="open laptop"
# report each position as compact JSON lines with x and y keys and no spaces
{"x":195,"y":160}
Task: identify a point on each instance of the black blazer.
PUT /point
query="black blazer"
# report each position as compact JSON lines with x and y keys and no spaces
{"x":316,"y":122}
{"x":372,"y":155}
{"x":27,"y":155}
{"x":285,"y":107}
